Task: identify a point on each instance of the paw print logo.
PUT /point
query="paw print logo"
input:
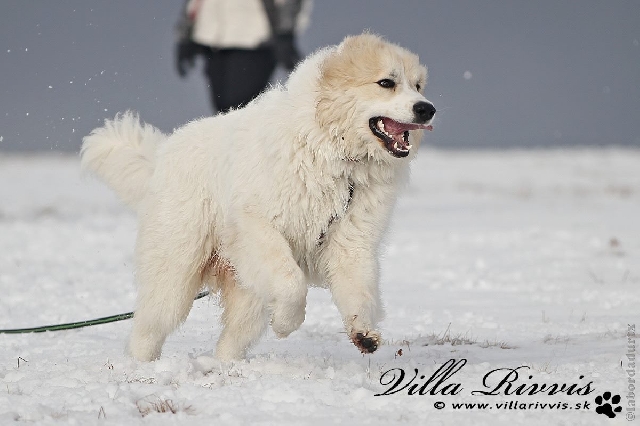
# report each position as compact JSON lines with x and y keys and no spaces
{"x":606,"y":407}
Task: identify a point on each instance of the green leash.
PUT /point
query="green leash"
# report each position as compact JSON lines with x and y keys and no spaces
{"x":81,"y":324}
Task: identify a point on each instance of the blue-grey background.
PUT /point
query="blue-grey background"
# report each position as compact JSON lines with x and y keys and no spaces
{"x":538,"y":73}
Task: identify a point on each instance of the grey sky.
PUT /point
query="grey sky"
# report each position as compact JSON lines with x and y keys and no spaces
{"x":538,"y":73}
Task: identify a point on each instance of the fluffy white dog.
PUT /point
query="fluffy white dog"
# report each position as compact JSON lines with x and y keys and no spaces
{"x":295,"y":189}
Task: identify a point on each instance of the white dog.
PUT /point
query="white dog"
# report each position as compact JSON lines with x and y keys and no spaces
{"x":295,"y":189}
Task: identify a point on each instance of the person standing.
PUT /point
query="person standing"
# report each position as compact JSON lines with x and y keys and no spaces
{"x":242,"y":42}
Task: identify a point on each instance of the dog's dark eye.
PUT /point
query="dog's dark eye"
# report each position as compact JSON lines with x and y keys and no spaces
{"x":418,"y":87}
{"x":386,"y":83}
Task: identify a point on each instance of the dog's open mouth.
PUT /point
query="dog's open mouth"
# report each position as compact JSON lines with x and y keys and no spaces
{"x":395,"y":135}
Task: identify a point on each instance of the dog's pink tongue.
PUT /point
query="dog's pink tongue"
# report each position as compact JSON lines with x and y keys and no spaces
{"x":394,"y":127}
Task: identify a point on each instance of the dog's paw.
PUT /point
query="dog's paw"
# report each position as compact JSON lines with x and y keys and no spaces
{"x":228,"y":351}
{"x":286,"y":321}
{"x":142,"y":350}
{"x":366,"y":341}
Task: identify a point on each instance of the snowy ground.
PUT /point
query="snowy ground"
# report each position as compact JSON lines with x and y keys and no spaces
{"x":524,"y":258}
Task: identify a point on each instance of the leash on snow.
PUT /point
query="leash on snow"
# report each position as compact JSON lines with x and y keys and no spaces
{"x":81,"y":324}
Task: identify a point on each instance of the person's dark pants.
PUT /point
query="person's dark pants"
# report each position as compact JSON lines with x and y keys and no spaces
{"x":236,"y":76}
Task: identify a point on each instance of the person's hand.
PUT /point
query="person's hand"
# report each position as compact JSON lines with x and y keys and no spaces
{"x":186,"y":53}
{"x":285,"y":50}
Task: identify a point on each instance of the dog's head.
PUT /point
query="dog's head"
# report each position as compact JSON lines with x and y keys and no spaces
{"x":370,"y":98}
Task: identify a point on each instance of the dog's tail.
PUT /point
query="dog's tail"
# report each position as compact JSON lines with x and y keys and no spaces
{"x":122,"y":154}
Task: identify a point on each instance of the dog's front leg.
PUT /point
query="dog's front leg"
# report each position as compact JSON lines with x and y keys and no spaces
{"x":263,"y":261}
{"x":349,"y":258}
{"x":353,"y":280}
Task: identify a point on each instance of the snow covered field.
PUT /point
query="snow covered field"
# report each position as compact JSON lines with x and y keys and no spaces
{"x":504,"y":259}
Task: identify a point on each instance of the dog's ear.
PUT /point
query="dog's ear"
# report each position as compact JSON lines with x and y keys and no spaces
{"x":365,"y":40}
{"x":360,"y":59}
{"x":355,"y":61}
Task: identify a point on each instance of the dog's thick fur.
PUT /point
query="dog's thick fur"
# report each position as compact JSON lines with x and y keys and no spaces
{"x":292,"y":190}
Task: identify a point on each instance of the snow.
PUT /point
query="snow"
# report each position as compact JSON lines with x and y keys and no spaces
{"x":527,"y":258}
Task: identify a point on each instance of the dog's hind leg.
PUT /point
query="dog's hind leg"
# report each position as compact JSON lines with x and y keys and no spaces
{"x":169,"y":275}
{"x":244,"y":319}
{"x":158,"y":314}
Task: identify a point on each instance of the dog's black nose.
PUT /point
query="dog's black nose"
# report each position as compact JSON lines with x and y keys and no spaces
{"x":424,"y":111}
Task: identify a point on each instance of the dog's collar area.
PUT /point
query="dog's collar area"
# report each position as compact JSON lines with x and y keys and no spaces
{"x":333,"y":218}
{"x":352,"y":159}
